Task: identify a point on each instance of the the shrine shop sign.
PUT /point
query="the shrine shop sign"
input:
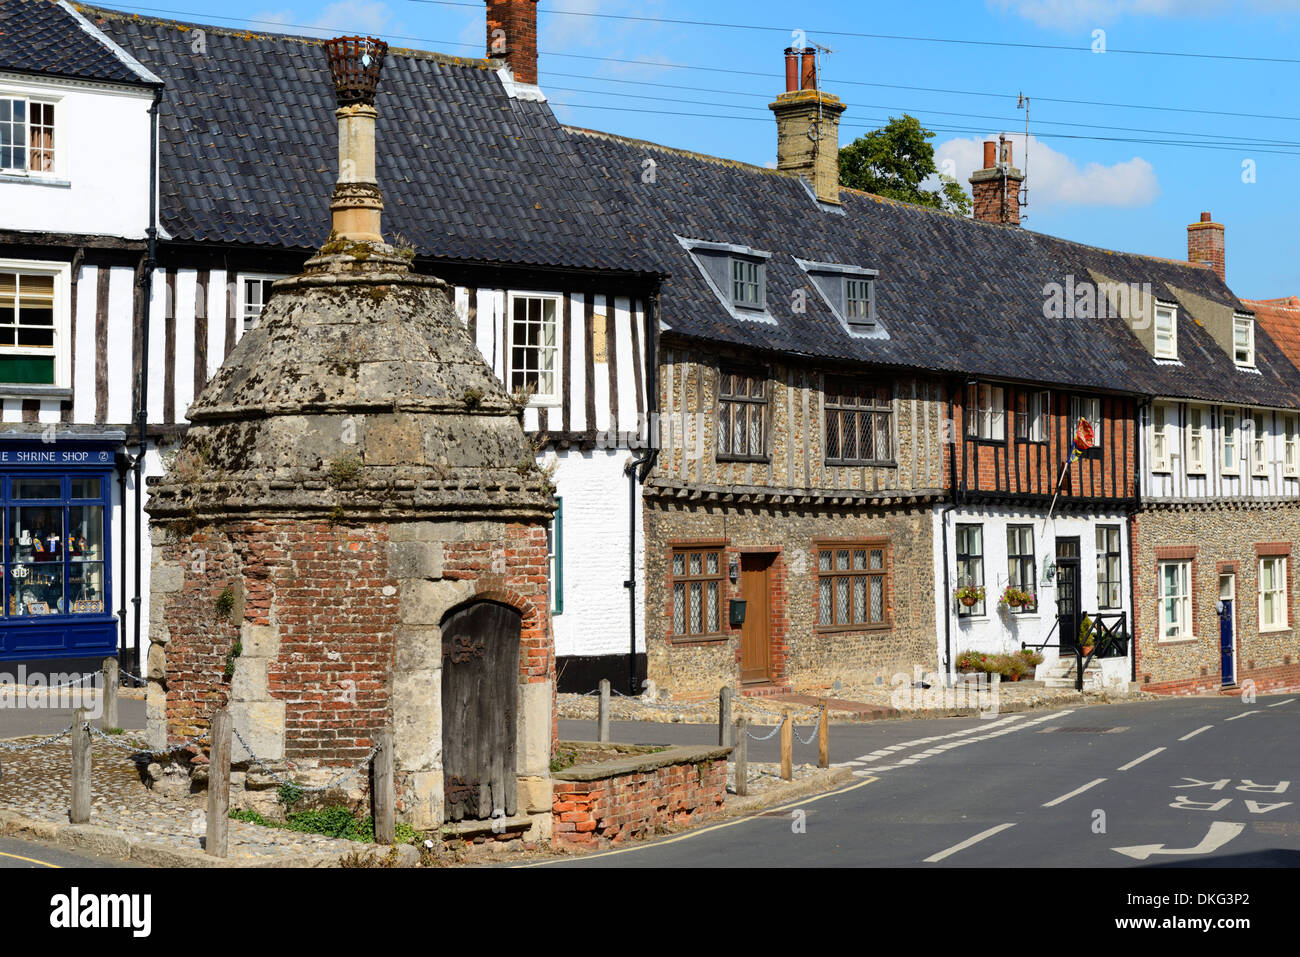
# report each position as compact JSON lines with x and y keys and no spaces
{"x":52,"y":457}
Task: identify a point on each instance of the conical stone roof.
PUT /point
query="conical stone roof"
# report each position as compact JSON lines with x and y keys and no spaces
{"x":358,"y":395}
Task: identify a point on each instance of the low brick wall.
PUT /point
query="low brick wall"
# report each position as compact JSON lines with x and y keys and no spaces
{"x":1281,"y":678}
{"x":595,"y":805}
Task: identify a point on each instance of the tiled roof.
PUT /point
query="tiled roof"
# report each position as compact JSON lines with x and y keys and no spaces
{"x":468,"y":172}
{"x":956,"y":295}
{"x":45,"y":37}
{"x":1280,"y":319}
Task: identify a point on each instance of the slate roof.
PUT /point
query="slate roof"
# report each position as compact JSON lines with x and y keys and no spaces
{"x":43,"y":37}
{"x":956,"y":295}
{"x":469,"y":173}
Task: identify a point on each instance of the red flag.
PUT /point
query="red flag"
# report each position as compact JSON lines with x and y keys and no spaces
{"x":1084,"y":439}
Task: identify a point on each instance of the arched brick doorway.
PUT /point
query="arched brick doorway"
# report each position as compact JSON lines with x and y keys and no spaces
{"x":480,"y":709}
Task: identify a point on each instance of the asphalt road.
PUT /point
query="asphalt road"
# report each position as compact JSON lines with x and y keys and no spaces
{"x":35,"y":854}
{"x":1202,"y":781}
{"x":15,"y":722}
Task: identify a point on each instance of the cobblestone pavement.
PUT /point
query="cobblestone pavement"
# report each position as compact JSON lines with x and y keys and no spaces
{"x":36,"y":784}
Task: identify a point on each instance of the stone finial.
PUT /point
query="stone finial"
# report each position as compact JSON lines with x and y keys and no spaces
{"x":357,"y":205}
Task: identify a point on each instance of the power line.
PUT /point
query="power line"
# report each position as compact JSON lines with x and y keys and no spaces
{"x":882,"y":36}
{"x":1254,"y":144}
{"x":766,"y":75}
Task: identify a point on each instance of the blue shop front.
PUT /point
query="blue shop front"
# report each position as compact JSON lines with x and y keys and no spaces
{"x":57,"y":507}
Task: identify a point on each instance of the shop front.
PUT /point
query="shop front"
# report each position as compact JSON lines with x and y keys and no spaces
{"x":56,"y":501}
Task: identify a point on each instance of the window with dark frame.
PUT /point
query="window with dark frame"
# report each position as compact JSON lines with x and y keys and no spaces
{"x":747,"y":283}
{"x":1108,"y":567}
{"x":697,"y":576}
{"x":1022,"y":570}
{"x":859,"y":423}
{"x":26,"y":136}
{"x":857,"y":301}
{"x":970,"y":565}
{"x":851,"y":584}
{"x":742,"y":416}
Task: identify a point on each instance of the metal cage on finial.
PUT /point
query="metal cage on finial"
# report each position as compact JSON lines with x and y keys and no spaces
{"x":355,"y":63}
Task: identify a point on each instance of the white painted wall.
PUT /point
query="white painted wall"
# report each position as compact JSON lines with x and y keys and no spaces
{"x":595,"y":494}
{"x":100,"y":184}
{"x":997,"y":631}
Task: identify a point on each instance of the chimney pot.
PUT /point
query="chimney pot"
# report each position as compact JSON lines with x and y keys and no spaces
{"x":809,"y":69}
{"x":1205,"y":218}
{"x":791,"y":69}
{"x":996,"y":188}
{"x":990,"y":154}
{"x":1006,"y":153}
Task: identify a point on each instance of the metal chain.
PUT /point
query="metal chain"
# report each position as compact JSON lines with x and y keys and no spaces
{"x":342,"y":775}
{"x":39,"y":744}
{"x":132,"y":747}
{"x":766,"y":737}
{"x":69,"y":684}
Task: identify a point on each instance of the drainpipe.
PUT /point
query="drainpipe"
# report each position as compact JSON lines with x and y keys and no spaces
{"x":142,"y":413}
{"x":638,"y":470}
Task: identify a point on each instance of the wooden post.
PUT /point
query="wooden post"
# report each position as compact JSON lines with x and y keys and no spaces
{"x":80,"y":810}
{"x":385,"y":795}
{"x":218,"y":830}
{"x":824,"y":737}
{"x":724,"y":717}
{"x":787,"y":748}
{"x":740,"y":758}
{"x":602,"y":715}
{"x":109,"y":717}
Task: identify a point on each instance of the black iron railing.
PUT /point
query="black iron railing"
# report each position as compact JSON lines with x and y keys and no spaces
{"x":1106,"y":634}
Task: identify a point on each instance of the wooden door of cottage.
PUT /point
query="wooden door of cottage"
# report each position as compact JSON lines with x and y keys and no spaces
{"x":480,"y":694}
{"x":755,"y":637}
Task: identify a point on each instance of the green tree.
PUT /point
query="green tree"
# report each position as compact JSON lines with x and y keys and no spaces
{"x":894,"y":161}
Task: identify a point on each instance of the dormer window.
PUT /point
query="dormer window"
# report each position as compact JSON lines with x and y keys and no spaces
{"x":850,"y":291}
{"x":748,"y":286}
{"x":26,"y":136}
{"x":736,"y":274}
{"x":1243,"y":341}
{"x":1166,"y":329}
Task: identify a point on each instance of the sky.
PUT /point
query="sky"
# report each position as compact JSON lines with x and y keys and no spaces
{"x":1141,"y":113}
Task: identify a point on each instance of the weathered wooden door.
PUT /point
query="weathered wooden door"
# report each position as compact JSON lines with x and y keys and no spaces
{"x":480,"y":693}
{"x":755,"y":640}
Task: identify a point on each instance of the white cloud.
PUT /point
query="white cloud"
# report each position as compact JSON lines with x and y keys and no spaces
{"x":1074,"y":13}
{"x":1053,"y":178}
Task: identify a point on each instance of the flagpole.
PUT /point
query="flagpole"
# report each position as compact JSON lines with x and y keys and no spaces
{"x":1059,"y":480}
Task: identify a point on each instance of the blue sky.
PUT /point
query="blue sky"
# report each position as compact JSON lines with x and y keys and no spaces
{"x":1095,"y":174}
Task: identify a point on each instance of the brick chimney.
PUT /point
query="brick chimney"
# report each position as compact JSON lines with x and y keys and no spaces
{"x":1205,"y":244}
{"x":808,"y":127}
{"x":996,"y":187}
{"x":512,"y":36}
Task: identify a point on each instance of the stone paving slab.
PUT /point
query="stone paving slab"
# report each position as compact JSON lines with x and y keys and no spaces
{"x":130,"y":822}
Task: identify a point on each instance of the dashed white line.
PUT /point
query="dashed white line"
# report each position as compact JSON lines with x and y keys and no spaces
{"x":1136,"y":761}
{"x":982,"y":835}
{"x":1065,"y":797}
{"x":1279,"y":704}
{"x":1196,"y":732}
{"x":1244,"y":714}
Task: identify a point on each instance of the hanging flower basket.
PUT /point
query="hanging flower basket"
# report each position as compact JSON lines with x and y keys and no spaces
{"x":969,"y":595}
{"x":1016,"y":598}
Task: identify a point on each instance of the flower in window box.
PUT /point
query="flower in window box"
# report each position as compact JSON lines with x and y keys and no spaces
{"x":1017,"y":598}
{"x":969,"y":595}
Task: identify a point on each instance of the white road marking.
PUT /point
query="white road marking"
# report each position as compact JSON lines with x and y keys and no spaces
{"x":1136,"y":761}
{"x":935,"y":858}
{"x":1220,"y":833}
{"x":1280,"y":703}
{"x":1065,"y":797}
{"x":1244,"y":714}
{"x":1196,"y":732}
